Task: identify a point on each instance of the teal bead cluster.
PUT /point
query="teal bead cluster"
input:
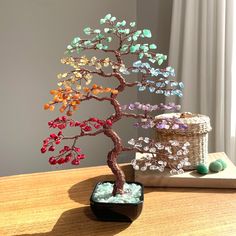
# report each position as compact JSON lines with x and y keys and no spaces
{"x":215,"y":166}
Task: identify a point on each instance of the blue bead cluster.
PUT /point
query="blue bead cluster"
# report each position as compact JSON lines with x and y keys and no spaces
{"x":160,"y":86}
{"x":145,"y":68}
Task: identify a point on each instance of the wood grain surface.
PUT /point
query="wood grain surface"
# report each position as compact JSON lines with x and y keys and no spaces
{"x":57,"y":203}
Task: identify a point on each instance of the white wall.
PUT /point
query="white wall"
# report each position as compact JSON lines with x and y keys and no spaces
{"x":33,"y":37}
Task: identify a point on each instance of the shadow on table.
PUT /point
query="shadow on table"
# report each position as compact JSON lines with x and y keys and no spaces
{"x":80,"y":221}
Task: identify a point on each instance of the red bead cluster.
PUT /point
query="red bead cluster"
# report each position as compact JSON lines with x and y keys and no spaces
{"x":86,"y":126}
{"x":48,"y":143}
{"x":69,"y":154}
{"x":66,"y":154}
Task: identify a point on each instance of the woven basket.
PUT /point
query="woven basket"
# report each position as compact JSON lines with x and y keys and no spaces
{"x":196,"y":134}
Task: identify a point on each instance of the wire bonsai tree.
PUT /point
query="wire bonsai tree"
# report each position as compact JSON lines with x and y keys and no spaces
{"x":76,"y":86}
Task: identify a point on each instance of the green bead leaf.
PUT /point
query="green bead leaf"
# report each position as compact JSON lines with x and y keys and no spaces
{"x":113,"y":18}
{"x":97,"y":31}
{"x":144,"y":47}
{"x":105,"y":47}
{"x":107,"y":17}
{"x":160,"y":61}
{"x":79,"y":50}
{"x":134,"y":48}
{"x":153,"y":46}
{"x":99,"y":46}
{"x":69,"y":47}
{"x":152,"y":60}
{"x":126,"y":31}
{"x":129,"y":39}
{"x":121,"y":31}
{"x":140,"y":56}
{"x":124,"y":48}
{"x":123,"y":23}
{"x":102,"y":21}
{"x":67,"y":52}
{"x":137,"y":33}
{"x":109,"y":39}
{"x":107,"y":30}
{"x":147,"y":33}
{"x":87,"y":30}
{"x":132,"y":24}
{"x":148,"y":55}
{"x":118,"y":24}
{"x":75,"y":40}
{"x":100,"y":36}
{"x":87,"y":43}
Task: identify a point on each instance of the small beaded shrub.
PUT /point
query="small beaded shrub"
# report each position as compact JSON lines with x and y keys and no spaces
{"x":198,"y":127}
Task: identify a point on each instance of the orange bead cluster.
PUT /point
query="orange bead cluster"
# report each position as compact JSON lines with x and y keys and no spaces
{"x":70,"y":99}
{"x":97,"y":89}
{"x":67,"y":97}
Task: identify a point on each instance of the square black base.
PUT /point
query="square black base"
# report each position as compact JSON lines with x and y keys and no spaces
{"x":126,"y":212}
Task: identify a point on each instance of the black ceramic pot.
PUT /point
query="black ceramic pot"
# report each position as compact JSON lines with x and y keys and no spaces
{"x":127,"y":212}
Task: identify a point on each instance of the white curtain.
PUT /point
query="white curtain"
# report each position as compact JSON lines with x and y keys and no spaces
{"x":201,"y":47}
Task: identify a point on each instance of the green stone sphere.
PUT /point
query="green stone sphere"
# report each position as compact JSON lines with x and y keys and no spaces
{"x":215,"y":166}
{"x":202,"y":169}
{"x":223,"y":163}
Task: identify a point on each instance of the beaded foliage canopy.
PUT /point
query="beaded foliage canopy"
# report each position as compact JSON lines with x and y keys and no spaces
{"x":76,"y":86}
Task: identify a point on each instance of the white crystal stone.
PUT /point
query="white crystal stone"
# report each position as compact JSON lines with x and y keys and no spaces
{"x":180,"y":153}
{"x":153,"y":167}
{"x":185,"y":152}
{"x":133,"y":162}
{"x":179,"y":166}
{"x":152,"y":149}
{"x":138,"y":145}
{"x":136,"y":167}
{"x":146,"y":140}
{"x":174,"y":143}
{"x":173,"y":172}
{"x":143,"y":168}
{"x":131,"y":141}
{"x":180,"y":171}
{"x":187,"y":144}
{"x":157,"y":144}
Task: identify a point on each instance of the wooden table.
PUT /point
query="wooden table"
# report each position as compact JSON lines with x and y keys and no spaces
{"x":57,"y":203}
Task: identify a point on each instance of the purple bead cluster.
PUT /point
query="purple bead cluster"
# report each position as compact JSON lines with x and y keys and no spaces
{"x":150,"y":108}
{"x":145,"y":124}
{"x":170,"y":123}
